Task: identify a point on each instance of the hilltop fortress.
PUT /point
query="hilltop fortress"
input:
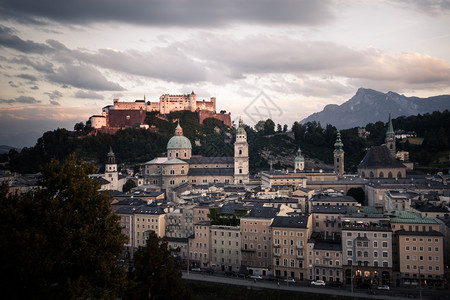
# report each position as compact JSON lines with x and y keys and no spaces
{"x":123,"y":115}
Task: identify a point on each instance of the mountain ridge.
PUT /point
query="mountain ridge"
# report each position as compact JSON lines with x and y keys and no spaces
{"x":371,"y":106}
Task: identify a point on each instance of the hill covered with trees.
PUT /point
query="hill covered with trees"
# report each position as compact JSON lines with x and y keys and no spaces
{"x":269,"y":143}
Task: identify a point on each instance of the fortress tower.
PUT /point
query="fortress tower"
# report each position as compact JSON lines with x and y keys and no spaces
{"x":241,"y":173}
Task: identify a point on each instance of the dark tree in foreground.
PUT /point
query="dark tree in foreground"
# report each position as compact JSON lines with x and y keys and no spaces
{"x":61,"y":241}
{"x":156,"y":274}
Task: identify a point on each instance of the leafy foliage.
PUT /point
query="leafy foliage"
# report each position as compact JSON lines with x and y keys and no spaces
{"x":223,"y":219}
{"x":61,"y":241}
{"x":128,"y":185}
{"x":156,"y":273}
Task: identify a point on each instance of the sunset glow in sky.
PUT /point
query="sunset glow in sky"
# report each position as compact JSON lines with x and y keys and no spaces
{"x":62,"y":61}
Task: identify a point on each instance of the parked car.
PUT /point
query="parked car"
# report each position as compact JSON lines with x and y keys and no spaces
{"x":383,"y":287}
{"x":209,"y":271}
{"x":196,"y":270}
{"x":290,"y":280}
{"x":242,"y":275}
{"x":318,"y":282}
{"x":231,"y":273}
{"x":256,"y":277}
{"x":335,"y":283}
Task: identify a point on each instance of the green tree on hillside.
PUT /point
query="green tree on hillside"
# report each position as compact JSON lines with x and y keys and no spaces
{"x":269,"y":127}
{"x":61,"y":241}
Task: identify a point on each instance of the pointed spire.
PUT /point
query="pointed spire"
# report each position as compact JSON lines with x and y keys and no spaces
{"x":338,"y":144}
{"x":390,"y":129}
{"x":241,"y":130}
{"x":178,"y":130}
{"x":110,"y":153}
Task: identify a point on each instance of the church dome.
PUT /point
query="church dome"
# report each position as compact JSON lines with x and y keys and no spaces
{"x":299,"y":156}
{"x":179,"y":142}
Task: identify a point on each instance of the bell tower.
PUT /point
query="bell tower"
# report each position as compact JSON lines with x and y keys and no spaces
{"x":241,"y":173}
{"x":390,"y":138}
{"x":111,"y":173}
{"x":299,"y":161}
{"x":338,"y":154}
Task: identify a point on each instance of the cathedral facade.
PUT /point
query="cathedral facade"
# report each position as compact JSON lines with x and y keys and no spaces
{"x":180,"y":166}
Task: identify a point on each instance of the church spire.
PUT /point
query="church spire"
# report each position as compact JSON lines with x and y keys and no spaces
{"x":338,"y":156}
{"x":390,"y":129}
{"x":390,"y":137}
{"x":338,"y":144}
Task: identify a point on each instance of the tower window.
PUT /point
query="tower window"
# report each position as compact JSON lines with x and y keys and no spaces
{"x":240,"y":151}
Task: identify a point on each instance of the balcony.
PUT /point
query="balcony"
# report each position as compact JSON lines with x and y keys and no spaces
{"x":299,"y":256}
{"x":276,"y":245}
{"x":299,"y":247}
{"x":276,"y":254}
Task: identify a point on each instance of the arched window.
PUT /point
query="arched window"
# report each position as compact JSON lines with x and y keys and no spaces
{"x":371,"y":174}
{"x":390,"y":174}
{"x":240,"y":151}
{"x":399,"y":174}
{"x":363,"y":174}
{"x":381,"y":175}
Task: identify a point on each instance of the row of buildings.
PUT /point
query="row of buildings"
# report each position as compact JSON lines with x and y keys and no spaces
{"x":334,"y":239}
{"x":297,"y":223}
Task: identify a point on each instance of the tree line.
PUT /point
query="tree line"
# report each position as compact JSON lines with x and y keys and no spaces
{"x":213,"y":138}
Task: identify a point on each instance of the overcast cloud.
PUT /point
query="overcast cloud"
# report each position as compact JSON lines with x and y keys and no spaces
{"x":77,"y":56}
{"x":196,"y":13}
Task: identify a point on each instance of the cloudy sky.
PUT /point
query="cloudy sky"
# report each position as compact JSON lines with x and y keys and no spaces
{"x":62,"y":61}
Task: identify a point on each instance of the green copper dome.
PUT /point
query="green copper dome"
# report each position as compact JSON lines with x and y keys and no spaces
{"x":179,"y":142}
{"x":338,"y":145}
{"x":299,"y":156}
{"x":241,"y":130}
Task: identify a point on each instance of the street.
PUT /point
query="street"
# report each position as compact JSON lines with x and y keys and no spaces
{"x":305,"y":287}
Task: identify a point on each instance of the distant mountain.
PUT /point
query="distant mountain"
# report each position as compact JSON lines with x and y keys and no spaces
{"x":370,"y":106}
{"x":5,"y":149}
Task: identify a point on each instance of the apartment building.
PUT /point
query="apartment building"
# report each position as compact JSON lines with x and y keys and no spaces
{"x":146,"y":220}
{"x":367,"y":247}
{"x":325,"y":260}
{"x":418,"y":249}
{"x":226,"y":247}
{"x":256,"y":236}
{"x":421,"y":257}
{"x":289,"y":240}
{"x":126,"y":222}
{"x":327,"y":221}
{"x":180,"y":223}
{"x":199,"y":245}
